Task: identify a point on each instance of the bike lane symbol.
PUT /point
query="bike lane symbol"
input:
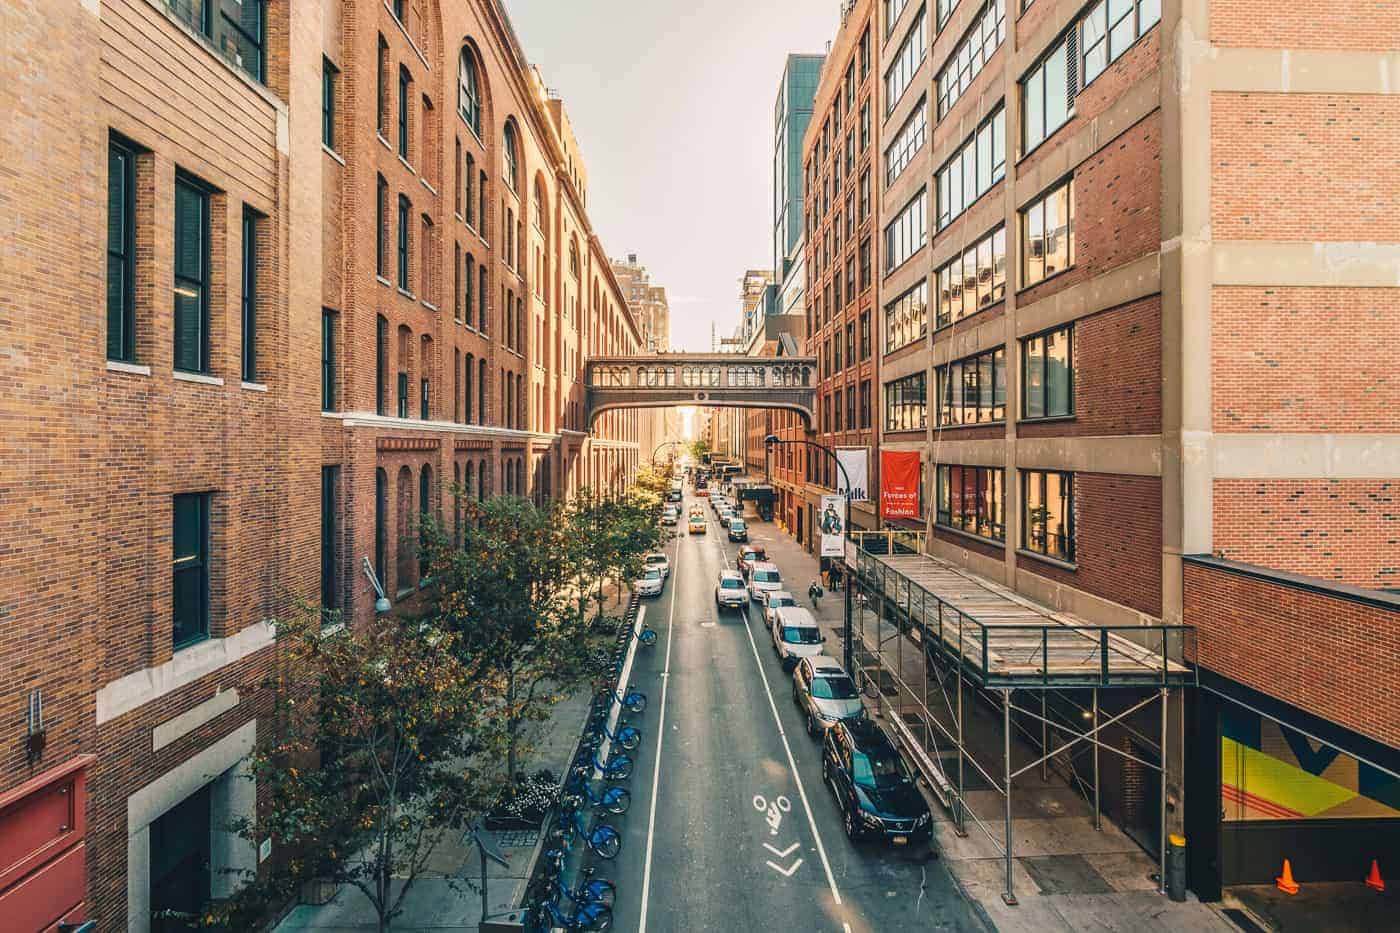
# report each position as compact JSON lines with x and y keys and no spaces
{"x":773,"y":816}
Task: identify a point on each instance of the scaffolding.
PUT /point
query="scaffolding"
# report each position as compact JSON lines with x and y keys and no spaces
{"x":928,"y":632}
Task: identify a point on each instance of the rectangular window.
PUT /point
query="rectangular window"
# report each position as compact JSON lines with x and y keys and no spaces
{"x":865,"y":271}
{"x":945,"y":10}
{"x":405,"y":83}
{"x":865,"y":404}
{"x":907,"y":234}
{"x":381,"y":209}
{"x":403,"y":395}
{"x":973,"y":169}
{"x":983,"y":38}
{"x":906,"y":62}
{"x":189,"y":589}
{"x":1047,"y":234}
{"x":906,"y":318}
{"x":1047,"y":375}
{"x":865,"y":53}
{"x":906,"y":403}
{"x":907,"y":143}
{"x":850,"y":279}
{"x":974,"y":280}
{"x":1109,"y":28}
{"x":250,"y":296}
{"x":1047,"y":517}
{"x":233,"y":27}
{"x":381,"y":364}
{"x":864,"y":195}
{"x":327,"y":359}
{"x":973,"y":390}
{"x":865,"y":335}
{"x":850,"y":408}
{"x":328,"y":75}
{"x":468,"y":203}
{"x":404,"y":210}
{"x":423,"y":396}
{"x":865,"y":126}
{"x":191,"y":277}
{"x":121,"y":253}
{"x":426,"y":250}
{"x":330,"y":592}
{"x":892,"y":10}
{"x":1047,"y":95}
{"x":382,"y":86}
{"x":972,"y":499}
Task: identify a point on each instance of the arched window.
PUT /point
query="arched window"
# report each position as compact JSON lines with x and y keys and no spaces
{"x":403,"y":546}
{"x":539,"y":205}
{"x":512,"y":157}
{"x":471,"y":365}
{"x":573,"y":259}
{"x":381,"y":517}
{"x":469,"y":91}
{"x":425,"y":498}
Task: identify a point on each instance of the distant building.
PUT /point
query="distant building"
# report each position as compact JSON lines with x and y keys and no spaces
{"x":791,"y":115}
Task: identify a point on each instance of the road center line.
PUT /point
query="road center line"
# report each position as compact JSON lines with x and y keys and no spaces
{"x":660,"y":737}
{"x":792,"y":762}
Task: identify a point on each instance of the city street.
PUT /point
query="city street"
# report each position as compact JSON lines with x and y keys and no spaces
{"x":731,"y":827}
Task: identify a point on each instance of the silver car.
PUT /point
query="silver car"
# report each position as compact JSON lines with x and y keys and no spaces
{"x":729,"y":591}
{"x":776,"y":600}
{"x":659,"y":562}
{"x":765,"y":579}
{"x":825,"y":694}
{"x":651,"y":583}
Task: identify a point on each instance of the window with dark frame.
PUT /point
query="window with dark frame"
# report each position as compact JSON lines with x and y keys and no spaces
{"x":972,"y":499}
{"x":327,"y":359}
{"x":250,"y":295}
{"x":1047,"y":234}
{"x":1047,"y":94}
{"x":865,"y":335}
{"x":381,"y":209}
{"x":906,"y":318}
{"x":972,"y":171}
{"x":973,"y":390}
{"x":191,"y":276}
{"x":381,"y":365}
{"x":328,"y":81}
{"x":403,"y":395}
{"x":235,"y":28}
{"x":330,"y":592}
{"x":121,"y":253}
{"x":972,"y":280}
{"x":404,"y":212}
{"x":1047,"y":517}
{"x":1108,"y":29}
{"x":1047,"y":375}
{"x":906,"y":403}
{"x":382,"y":86}
{"x":865,"y":404}
{"x":469,"y":94}
{"x":405,"y":83}
{"x":189,"y":585}
{"x":423,"y":397}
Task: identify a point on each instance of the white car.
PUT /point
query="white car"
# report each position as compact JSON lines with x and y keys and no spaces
{"x":776,"y":600}
{"x":651,"y":583}
{"x":729,"y":591}
{"x":658,"y":561}
{"x":670,"y":515}
{"x":764,"y":579}
{"x":796,"y":635}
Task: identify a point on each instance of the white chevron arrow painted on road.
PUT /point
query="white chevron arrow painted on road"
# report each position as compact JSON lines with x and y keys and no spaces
{"x":786,"y":872}
{"x":783,"y":854}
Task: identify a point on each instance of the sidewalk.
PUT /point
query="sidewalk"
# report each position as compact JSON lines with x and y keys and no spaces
{"x":1068,"y":876}
{"x":446,"y":897}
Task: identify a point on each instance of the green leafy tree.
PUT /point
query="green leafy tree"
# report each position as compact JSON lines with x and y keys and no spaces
{"x":699,"y":450}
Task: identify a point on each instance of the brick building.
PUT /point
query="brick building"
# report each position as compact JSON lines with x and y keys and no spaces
{"x":347,"y":263}
{"x":1091,"y":278}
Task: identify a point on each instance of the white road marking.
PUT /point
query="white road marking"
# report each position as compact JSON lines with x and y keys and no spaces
{"x":782,"y":853}
{"x":786,"y":872}
{"x":615,"y":712}
{"x":792,"y":762}
{"x":660,"y":737}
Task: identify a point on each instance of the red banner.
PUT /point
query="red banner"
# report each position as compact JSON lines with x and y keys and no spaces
{"x":899,"y":483}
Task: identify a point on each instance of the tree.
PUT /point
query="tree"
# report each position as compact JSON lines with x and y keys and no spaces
{"x":385,"y":739}
{"x":699,"y":450}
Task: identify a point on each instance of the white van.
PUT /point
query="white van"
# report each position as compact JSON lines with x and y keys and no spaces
{"x":796,"y":635}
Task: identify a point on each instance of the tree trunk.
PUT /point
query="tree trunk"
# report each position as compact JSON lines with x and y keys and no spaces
{"x":511,"y":726}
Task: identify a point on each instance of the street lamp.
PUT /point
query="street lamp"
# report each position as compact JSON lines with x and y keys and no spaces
{"x":659,"y":448}
{"x":769,"y":443}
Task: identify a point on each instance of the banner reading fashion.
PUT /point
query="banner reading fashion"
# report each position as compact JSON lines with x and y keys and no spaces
{"x":832,"y":522}
{"x":856,"y":460}
{"x":899,"y":483}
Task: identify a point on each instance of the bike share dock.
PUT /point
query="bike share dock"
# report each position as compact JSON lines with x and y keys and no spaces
{"x":952,"y":655}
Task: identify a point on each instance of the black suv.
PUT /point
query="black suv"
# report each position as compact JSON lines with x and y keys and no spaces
{"x":877,"y":795}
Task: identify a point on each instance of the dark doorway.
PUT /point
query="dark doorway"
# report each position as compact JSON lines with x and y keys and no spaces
{"x":180,"y":854}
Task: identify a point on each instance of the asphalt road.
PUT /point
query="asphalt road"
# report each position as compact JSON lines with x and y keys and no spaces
{"x":731,"y":828}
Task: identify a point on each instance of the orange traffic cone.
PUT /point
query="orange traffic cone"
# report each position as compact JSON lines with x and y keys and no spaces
{"x":1286,"y":884}
{"x":1374,"y":880}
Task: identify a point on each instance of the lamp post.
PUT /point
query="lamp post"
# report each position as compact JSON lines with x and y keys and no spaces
{"x":660,"y":447}
{"x":769,"y":443}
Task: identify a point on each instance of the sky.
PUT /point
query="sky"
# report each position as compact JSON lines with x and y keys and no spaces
{"x":672,"y":103}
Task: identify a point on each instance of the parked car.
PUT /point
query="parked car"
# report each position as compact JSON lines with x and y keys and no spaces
{"x":659,"y":561}
{"x":651,"y":583}
{"x":729,"y":591}
{"x":738,"y":531}
{"x":749,"y":555}
{"x":764,"y":579}
{"x":702,"y":492}
{"x":696,"y":525}
{"x":675,"y":495}
{"x":825,"y":693}
{"x":877,"y":795}
{"x":796,"y":635}
{"x":670,"y":515}
{"x":777,"y":599}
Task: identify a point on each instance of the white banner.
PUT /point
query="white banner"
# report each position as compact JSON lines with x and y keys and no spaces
{"x":857,"y":463}
{"x":832,"y":522}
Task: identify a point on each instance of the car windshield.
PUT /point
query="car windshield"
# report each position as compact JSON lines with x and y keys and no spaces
{"x":737,"y":525}
{"x":775,"y":602}
{"x":729,"y":583}
{"x":752,"y":555}
{"x":766,"y":576}
{"x":656,"y":559}
{"x":802,"y":635}
{"x":834,"y":688}
{"x":878,"y":769}
{"x":652,"y":575}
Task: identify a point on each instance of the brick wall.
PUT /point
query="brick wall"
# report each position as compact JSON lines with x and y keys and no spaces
{"x":1118,"y":541}
{"x":1303,"y":360}
{"x":1304,"y":167}
{"x":1342,"y":530}
{"x":1334,"y":657}
{"x":1351,"y":25}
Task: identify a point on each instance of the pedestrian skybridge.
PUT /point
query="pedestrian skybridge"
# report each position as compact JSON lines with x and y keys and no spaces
{"x":729,"y":380}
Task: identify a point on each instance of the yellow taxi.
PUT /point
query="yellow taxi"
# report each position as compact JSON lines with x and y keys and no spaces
{"x":697,"y":523}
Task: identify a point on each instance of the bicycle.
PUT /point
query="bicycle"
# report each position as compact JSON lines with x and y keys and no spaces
{"x":618,"y":767}
{"x":626,"y":736}
{"x":646,"y":636}
{"x":549,"y":915}
{"x":633,"y":701}
{"x":615,"y":800}
{"x":602,"y":840}
{"x":588,"y":890}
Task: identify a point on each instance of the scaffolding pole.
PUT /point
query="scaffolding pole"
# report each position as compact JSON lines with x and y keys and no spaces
{"x":1098,"y":822}
{"x":1162,"y":805}
{"x":1009,"y":895}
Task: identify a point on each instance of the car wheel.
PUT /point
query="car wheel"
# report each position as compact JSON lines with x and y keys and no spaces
{"x":826,"y":771}
{"x":811,"y":726}
{"x":850,"y":826}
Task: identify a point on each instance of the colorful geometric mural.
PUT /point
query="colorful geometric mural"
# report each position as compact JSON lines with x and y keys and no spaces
{"x":1271,"y":772}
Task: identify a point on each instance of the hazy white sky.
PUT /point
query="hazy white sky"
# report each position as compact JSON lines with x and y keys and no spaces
{"x":672,"y":102}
